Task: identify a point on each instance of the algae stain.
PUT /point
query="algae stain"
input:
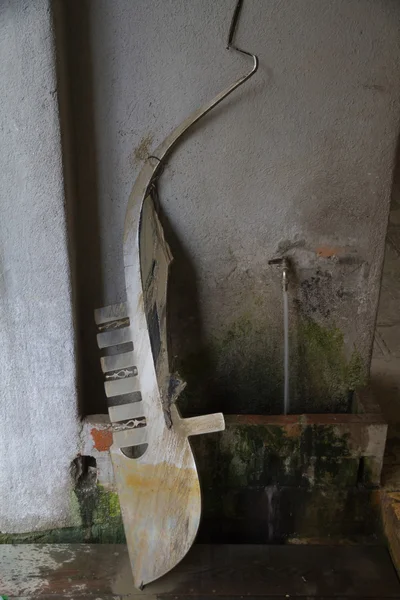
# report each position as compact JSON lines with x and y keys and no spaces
{"x":356,"y":373}
{"x":248,"y":368}
{"x":241,"y":370}
{"x":95,"y":513}
{"x":64,"y":535}
{"x":266,"y":455}
{"x":75,"y":510}
{"x":106,"y":505}
{"x":326,"y":376}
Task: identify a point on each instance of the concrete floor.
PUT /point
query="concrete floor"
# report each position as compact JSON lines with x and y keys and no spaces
{"x":260,"y":572}
{"x":385,"y":366}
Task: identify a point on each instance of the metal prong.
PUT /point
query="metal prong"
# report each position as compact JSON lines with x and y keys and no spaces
{"x":113,"y":312}
{"x":130,"y":437}
{"x":117,"y":362}
{"x":121,"y":387}
{"x":124,"y":412}
{"x":114,"y":338}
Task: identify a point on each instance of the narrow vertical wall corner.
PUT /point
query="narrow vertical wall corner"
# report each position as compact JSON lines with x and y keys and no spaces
{"x":38,"y":400}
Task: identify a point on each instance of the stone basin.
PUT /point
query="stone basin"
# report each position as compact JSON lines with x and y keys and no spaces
{"x":275,"y":478}
{"x":270,"y":478}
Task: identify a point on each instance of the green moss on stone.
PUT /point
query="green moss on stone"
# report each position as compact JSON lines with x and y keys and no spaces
{"x":241,"y":371}
{"x":98,"y":512}
{"x":65,"y":535}
{"x":75,"y":510}
{"x":105,"y":515}
{"x":106,"y":506}
{"x":326,"y":376}
{"x":251,"y":455}
{"x":106,"y":533}
{"x":298,"y":481}
{"x":335,"y":512}
{"x":356,"y":375}
{"x":248,"y":368}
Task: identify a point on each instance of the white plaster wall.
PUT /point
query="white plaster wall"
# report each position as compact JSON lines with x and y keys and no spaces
{"x":38,"y":423}
{"x":300,"y":157}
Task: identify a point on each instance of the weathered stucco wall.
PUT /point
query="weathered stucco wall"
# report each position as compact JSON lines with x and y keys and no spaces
{"x":38,"y":420}
{"x":299,"y":161}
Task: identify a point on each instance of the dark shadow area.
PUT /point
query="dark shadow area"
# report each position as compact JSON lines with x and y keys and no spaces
{"x":76,"y":100}
{"x":385,"y":363}
{"x":228,"y":378}
{"x":393,"y":230}
{"x":186,"y":340}
{"x":242,"y":373}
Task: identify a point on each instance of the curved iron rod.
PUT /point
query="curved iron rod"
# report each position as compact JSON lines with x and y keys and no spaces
{"x":232,"y":30}
{"x":150,"y":170}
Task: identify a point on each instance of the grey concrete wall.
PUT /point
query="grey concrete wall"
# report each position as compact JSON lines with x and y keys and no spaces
{"x":38,"y":415}
{"x":298,"y":161}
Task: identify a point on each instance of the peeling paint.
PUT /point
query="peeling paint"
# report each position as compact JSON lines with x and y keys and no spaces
{"x":12,"y":570}
{"x":329,"y":251}
{"x":102,"y":439}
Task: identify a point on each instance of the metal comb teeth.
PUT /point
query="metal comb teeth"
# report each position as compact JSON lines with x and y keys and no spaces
{"x":128,"y":419}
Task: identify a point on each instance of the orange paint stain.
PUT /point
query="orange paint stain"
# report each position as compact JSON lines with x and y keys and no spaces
{"x":161,"y":478}
{"x":328,"y":251}
{"x":102,"y":439}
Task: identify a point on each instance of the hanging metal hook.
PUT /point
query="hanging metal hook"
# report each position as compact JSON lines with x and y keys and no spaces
{"x":150,"y":172}
{"x":204,"y":110}
{"x":232,"y":31}
{"x":231,"y":35}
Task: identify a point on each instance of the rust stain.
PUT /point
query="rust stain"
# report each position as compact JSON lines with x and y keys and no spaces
{"x":282,"y":420}
{"x":102,"y":439}
{"x":162,"y":478}
{"x":329,"y":251}
{"x":142,"y":151}
{"x":293,"y":431}
{"x":161,"y":506}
